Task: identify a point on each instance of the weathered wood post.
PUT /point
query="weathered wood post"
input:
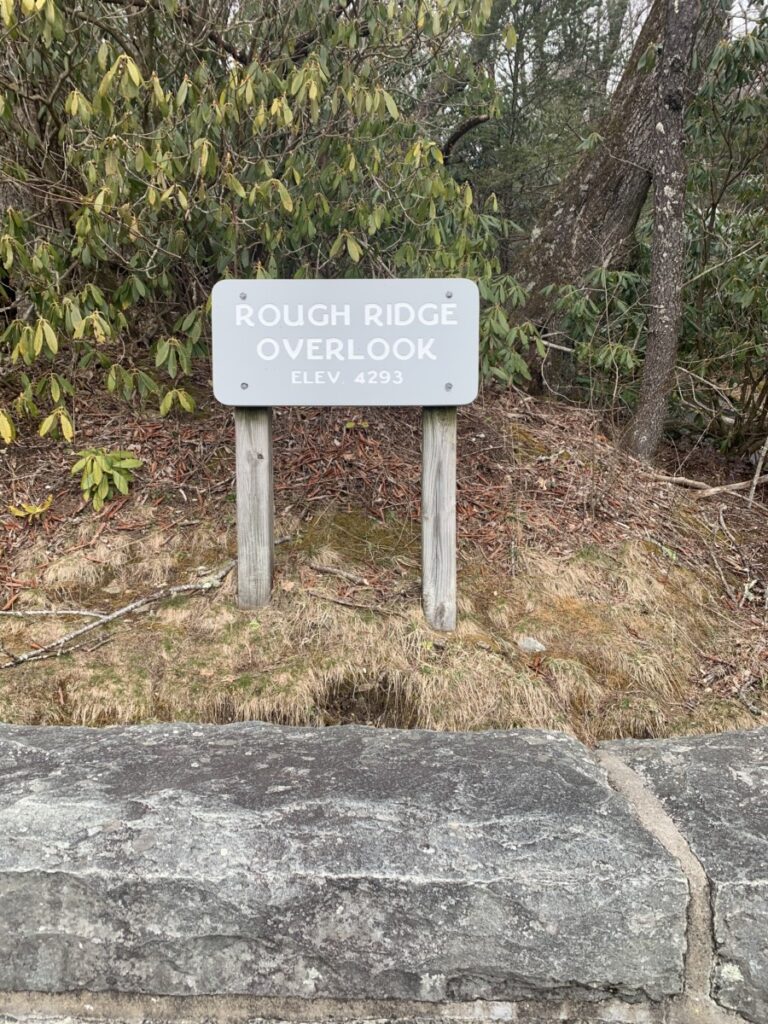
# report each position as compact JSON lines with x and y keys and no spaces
{"x":438,"y":517}
{"x":255,"y":506}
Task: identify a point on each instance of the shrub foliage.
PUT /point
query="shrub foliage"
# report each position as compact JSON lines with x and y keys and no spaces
{"x":148,"y":149}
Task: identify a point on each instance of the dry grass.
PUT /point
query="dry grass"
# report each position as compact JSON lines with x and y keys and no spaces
{"x":627,"y":629}
{"x":651,"y":605}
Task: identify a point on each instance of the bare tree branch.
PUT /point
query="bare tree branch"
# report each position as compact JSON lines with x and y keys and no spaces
{"x":461,"y":131}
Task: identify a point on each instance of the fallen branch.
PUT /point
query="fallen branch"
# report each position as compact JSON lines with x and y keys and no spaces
{"x":45,"y":653}
{"x":56,"y":648}
{"x":742,"y":486}
{"x":706,"y":490}
{"x":680,"y":481}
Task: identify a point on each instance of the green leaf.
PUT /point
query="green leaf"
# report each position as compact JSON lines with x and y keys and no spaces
{"x":119,"y":481}
{"x":647,"y":60}
{"x":285,"y":197}
{"x":394,"y":113}
{"x":234,"y":185}
{"x":186,"y":401}
{"x":181,"y":95}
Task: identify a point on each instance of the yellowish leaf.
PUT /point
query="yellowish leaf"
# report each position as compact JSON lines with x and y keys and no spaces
{"x":133,"y":72}
{"x":50,"y":337}
{"x":394,"y":113}
{"x":7,"y":431}
{"x":354,"y":250}
{"x":510,"y":37}
{"x":46,"y":425}
{"x":66,"y":427}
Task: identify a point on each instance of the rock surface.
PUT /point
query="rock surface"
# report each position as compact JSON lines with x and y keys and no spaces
{"x":346,"y":863}
{"x":716,"y":790}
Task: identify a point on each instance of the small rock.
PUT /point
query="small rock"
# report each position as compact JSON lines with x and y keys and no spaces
{"x":530,"y":645}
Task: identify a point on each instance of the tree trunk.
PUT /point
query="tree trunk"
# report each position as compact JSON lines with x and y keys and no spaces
{"x":668,"y":255}
{"x":592,"y":218}
{"x":616,"y":12}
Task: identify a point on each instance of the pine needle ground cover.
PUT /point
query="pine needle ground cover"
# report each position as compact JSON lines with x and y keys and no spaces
{"x":646,"y":603}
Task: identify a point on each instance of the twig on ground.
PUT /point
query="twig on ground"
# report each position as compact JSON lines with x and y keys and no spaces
{"x":354,"y":604}
{"x":728,"y":588}
{"x":100,"y":643}
{"x":741,"y":486}
{"x":56,"y":648}
{"x":726,"y":531}
{"x":758,"y":471}
{"x":341,"y":573}
{"x":680,"y":481}
{"x":706,"y":490}
{"x":61,"y":612}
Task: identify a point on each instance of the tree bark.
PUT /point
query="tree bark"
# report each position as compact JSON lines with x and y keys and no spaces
{"x":646,"y":427}
{"x":592,"y":218}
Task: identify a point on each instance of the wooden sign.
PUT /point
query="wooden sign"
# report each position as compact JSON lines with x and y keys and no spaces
{"x":347,"y":343}
{"x":360,"y":342}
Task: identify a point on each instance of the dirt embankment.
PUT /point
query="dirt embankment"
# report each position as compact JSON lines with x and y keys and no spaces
{"x":649,"y":602}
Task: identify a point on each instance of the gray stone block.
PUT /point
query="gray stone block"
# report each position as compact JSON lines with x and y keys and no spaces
{"x":716,"y":790}
{"x":346,"y":863}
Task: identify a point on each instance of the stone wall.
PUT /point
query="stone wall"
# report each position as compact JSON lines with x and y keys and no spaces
{"x":250,"y":872}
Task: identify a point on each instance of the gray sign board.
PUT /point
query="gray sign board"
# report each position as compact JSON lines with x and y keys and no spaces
{"x":346,"y":342}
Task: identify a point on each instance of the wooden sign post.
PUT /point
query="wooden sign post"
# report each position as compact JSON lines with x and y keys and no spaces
{"x":346,"y":343}
{"x":438,"y":517}
{"x":255,"y":506}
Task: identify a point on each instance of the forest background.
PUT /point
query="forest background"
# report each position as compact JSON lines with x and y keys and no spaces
{"x":152,"y":147}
